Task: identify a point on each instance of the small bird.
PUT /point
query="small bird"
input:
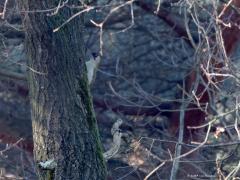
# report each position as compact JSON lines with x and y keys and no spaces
{"x":92,"y":66}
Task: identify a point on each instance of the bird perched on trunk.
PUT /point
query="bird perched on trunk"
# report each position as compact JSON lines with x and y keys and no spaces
{"x":92,"y":66}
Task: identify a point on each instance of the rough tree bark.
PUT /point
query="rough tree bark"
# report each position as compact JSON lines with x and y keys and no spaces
{"x":63,"y":120}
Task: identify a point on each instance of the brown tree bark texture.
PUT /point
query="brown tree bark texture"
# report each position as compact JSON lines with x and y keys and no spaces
{"x":63,"y":120}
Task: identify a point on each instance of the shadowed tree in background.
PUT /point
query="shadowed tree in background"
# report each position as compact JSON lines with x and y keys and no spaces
{"x":64,"y":124}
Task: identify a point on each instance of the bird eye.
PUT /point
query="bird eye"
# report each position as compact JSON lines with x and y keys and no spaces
{"x":95,"y":55}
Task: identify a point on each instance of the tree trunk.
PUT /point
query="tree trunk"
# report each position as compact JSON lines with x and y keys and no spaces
{"x":63,"y":119}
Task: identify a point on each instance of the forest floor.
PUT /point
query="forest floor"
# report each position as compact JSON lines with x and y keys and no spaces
{"x":137,"y":156}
